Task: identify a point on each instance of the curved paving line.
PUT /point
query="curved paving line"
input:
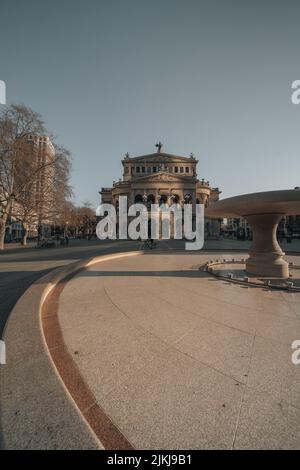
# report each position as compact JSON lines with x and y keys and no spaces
{"x":106,"y":431}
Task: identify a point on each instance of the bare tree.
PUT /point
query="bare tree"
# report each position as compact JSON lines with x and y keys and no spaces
{"x":79,"y":220}
{"x":33,"y":185}
{"x":15,"y":123}
{"x":43,"y":202}
{"x":62,"y":191}
{"x":86,"y":219}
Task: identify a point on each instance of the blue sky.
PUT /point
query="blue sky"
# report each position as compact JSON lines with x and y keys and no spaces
{"x":209,"y":77}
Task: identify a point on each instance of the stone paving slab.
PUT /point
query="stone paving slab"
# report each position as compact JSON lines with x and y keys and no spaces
{"x":179,"y":359}
{"x":36,"y":410}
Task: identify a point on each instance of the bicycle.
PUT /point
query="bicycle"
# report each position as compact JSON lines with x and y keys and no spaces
{"x":148,"y":244}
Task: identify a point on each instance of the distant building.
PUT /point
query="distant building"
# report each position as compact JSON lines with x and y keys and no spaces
{"x":288,"y":227}
{"x":40,"y":193}
{"x":237,"y":228}
{"x":161,"y":177}
{"x":292,"y":223}
{"x":43,"y":152}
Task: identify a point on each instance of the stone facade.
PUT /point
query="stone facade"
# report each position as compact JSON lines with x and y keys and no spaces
{"x":163,"y":178}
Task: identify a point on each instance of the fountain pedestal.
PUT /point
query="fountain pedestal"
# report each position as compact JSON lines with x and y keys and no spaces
{"x":265,"y":255}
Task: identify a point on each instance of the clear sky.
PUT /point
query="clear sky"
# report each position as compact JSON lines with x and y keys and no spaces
{"x":208,"y":77}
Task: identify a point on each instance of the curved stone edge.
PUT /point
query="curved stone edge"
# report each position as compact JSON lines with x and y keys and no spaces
{"x":37,"y":409}
{"x":248,"y":283}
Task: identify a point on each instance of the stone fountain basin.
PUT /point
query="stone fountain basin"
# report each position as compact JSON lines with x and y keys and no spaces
{"x":286,"y":202}
{"x":263,"y":212}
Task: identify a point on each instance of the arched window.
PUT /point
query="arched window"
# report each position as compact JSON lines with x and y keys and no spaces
{"x":175,"y":199}
{"x":150,"y":200}
{"x":163,"y":199}
{"x":138,"y":199}
{"x":188,"y":199}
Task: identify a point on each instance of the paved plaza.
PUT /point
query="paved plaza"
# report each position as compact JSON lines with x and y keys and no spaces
{"x":163,"y":355}
{"x":178,"y":359}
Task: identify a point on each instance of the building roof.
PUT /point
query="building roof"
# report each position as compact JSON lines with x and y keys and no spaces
{"x":160,"y":156}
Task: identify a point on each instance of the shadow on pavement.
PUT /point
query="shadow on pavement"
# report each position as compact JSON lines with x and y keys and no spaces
{"x":13,"y":284}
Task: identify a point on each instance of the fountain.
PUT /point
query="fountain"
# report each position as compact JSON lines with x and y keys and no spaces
{"x":263,"y":211}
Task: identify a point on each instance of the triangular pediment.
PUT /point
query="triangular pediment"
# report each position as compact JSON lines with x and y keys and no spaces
{"x":162,"y":176}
